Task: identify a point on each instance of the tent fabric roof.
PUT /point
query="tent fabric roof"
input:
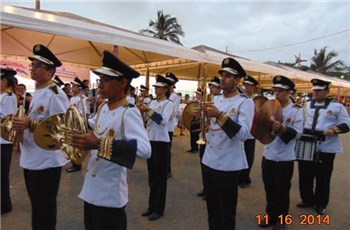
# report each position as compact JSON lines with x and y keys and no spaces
{"x":78,"y":40}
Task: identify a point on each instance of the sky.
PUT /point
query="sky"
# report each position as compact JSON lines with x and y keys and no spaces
{"x":258,"y":30}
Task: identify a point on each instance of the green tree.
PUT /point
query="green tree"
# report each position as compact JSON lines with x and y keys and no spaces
{"x":322,"y":61}
{"x":164,"y":27}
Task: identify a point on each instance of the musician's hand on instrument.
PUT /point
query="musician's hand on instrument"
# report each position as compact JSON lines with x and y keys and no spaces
{"x":329,"y":132}
{"x":276,"y":125}
{"x":212,"y":111}
{"x":143,"y":107}
{"x":85,"y":141}
{"x":20,"y":124}
{"x":197,"y":113}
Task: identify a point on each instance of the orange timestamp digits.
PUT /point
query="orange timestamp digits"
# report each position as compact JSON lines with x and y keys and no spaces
{"x":304,"y":219}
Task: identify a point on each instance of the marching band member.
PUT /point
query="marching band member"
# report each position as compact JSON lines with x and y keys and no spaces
{"x":8,"y":102}
{"x":326,"y":118}
{"x":144,"y":94}
{"x":215,"y":90}
{"x":131,"y":96}
{"x":42,"y":168}
{"x":231,"y":119}
{"x":249,"y":145}
{"x":279,"y":156}
{"x":118,"y":137}
{"x":158,"y":113}
{"x":176,"y":99}
{"x":79,"y":100}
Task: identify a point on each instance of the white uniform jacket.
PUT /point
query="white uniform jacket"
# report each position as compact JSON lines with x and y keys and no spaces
{"x":8,"y":105}
{"x":225,"y":148}
{"x":47,"y":101}
{"x":331,"y":115}
{"x":173,"y":121}
{"x":105,"y":182}
{"x":157,"y":119}
{"x":80,"y":101}
{"x":282,"y":148}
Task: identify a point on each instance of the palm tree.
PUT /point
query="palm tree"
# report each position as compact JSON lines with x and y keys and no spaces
{"x":322,"y":61}
{"x":165,"y":28}
{"x":298,"y":60}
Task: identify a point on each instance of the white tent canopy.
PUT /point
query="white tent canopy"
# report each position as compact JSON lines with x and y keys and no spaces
{"x":81,"y":41}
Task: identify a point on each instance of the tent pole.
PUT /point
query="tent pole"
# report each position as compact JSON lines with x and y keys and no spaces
{"x":147,"y":75}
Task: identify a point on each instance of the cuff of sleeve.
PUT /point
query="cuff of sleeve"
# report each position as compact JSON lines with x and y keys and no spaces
{"x":105,"y":149}
{"x":222,"y":119}
{"x":150,"y":113}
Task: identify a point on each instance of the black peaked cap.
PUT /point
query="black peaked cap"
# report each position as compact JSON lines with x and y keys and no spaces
{"x":44,"y":55}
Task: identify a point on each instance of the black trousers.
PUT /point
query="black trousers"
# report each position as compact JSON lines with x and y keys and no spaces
{"x":171,"y":134}
{"x":157,"y":166}
{"x":194,"y":138}
{"x":103,"y":218}
{"x":277,"y":182}
{"x":6,"y":157}
{"x":249,"y":148}
{"x":42,"y":187}
{"x":322,"y":172}
{"x":221,"y":193}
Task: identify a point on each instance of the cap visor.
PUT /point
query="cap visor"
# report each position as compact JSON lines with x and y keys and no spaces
{"x":159,"y":84}
{"x":229,"y":70}
{"x":281,"y":86}
{"x":319,"y":87}
{"x":107,"y":72}
{"x":41,"y":59}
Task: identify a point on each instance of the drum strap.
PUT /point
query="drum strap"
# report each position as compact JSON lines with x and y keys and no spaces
{"x":314,"y":121}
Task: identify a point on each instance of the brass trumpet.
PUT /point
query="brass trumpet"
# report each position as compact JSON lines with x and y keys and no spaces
{"x":55,"y":132}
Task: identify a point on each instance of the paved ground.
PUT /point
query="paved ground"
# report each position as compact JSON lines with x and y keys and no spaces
{"x":184,"y":210}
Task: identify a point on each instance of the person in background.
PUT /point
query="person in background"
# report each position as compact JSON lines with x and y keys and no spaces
{"x":250,"y":85}
{"x":8,"y":105}
{"x":326,"y":119}
{"x":21,"y":90}
{"x":195,"y":125}
{"x":279,"y":156}
{"x":158,"y":112}
{"x":67,"y":88}
{"x":172,"y":120}
{"x":79,"y":100}
{"x":118,"y":137}
{"x":131,"y":96}
{"x":144,"y":94}
{"x":231,"y":116}
{"x":42,"y":168}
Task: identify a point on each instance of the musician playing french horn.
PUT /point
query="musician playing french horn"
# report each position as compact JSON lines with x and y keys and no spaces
{"x":8,"y":106}
{"x":42,"y":168}
{"x":231,"y":116}
{"x":79,"y":100}
{"x":118,"y":137}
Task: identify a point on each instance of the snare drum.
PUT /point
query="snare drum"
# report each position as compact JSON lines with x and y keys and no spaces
{"x":305,"y":147}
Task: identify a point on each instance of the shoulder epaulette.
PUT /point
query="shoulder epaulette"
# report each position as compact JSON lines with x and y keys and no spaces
{"x":54,"y":89}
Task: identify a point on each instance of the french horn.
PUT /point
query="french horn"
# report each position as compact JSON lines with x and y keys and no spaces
{"x":55,"y":132}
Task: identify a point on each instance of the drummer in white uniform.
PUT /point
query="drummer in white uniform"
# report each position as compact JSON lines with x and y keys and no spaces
{"x":326,"y":119}
{"x":279,"y":156}
{"x":118,"y":137}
